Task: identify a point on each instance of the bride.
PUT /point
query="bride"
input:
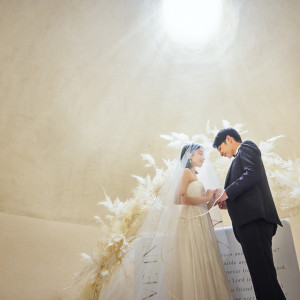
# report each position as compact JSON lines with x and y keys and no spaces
{"x":176,"y":254}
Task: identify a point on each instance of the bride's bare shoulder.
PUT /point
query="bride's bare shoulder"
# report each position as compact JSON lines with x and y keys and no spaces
{"x":187,"y":172}
{"x":188,"y":175}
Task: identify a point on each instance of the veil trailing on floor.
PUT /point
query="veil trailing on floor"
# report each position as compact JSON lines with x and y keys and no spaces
{"x":150,"y":268}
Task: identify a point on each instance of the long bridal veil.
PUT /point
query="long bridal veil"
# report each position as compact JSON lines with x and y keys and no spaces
{"x":151,"y":268}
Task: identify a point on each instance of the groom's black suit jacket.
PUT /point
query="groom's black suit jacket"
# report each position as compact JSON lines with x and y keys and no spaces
{"x":247,"y":188}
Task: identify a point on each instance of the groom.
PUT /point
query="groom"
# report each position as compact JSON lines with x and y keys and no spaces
{"x":249,"y":201}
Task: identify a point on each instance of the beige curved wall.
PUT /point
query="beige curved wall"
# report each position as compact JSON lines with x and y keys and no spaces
{"x":87,"y":86}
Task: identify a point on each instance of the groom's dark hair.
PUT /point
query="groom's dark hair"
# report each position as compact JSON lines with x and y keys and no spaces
{"x":221,"y":136}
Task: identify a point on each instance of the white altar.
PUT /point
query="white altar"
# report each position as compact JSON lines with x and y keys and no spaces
{"x":235,"y":266}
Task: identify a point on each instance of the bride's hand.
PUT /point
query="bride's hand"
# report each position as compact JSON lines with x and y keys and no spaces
{"x":211,"y":203}
{"x":218,"y":193}
{"x":210,"y":194}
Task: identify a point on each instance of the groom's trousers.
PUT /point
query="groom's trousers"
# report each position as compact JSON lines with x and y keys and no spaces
{"x":256,"y":241}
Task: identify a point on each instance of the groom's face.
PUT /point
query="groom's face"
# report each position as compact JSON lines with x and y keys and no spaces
{"x":226,"y":148}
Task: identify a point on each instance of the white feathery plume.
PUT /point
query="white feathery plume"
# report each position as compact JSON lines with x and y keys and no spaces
{"x":140,"y":179}
{"x":237,"y":127}
{"x":166,"y":137}
{"x":115,"y":207}
{"x":107,"y":203}
{"x":226,"y":124}
{"x":177,"y":139}
{"x":268,"y":145}
{"x":210,"y":131}
{"x":168,"y":163}
{"x":150,"y":159}
{"x":85,"y":258}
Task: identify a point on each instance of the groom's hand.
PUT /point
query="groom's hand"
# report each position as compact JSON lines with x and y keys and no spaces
{"x":222,"y":205}
{"x":222,"y":198}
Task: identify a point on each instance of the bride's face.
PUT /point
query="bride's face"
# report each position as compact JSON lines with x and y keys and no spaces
{"x":198,"y":158}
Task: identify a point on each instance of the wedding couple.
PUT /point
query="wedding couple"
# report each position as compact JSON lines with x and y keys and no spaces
{"x":181,"y":259}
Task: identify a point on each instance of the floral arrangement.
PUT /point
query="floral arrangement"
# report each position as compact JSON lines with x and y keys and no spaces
{"x":120,"y":229}
{"x":125,"y":218}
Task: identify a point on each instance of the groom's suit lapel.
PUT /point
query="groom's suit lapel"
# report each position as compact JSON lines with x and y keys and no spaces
{"x":230,"y":169}
{"x":228,"y":175}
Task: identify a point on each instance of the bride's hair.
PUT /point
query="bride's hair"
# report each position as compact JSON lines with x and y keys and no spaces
{"x":191,"y":149}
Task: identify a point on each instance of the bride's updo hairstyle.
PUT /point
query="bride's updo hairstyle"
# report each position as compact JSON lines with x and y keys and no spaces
{"x":191,"y":148}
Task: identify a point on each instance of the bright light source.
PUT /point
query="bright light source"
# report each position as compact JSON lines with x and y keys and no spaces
{"x":191,"y":22}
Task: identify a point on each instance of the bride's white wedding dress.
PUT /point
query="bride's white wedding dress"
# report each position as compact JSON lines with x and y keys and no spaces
{"x":200,"y":262}
{"x":181,"y":262}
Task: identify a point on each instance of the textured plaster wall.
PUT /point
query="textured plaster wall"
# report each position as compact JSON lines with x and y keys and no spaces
{"x":86,"y":86}
{"x":39,"y":258}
